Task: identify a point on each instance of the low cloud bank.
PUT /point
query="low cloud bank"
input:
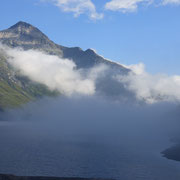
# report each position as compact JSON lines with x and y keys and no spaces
{"x":55,"y":72}
{"x":151,"y":88}
{"x":61,"y":74}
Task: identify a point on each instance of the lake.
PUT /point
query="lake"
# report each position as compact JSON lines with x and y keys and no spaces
{"x":78,"y":145}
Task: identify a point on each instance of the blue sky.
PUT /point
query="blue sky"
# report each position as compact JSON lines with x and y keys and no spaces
{"x":138,"y":31}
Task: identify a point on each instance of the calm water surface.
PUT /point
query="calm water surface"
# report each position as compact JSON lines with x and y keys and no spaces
{"x":25,"y":150}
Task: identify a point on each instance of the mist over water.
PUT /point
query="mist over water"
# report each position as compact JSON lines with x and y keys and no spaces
{"x":89,"y":137}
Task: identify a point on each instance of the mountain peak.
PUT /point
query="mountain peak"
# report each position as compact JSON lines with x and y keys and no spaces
{"x":23,"y":28}
{"x":27,"y":36}
{"x":21,"y":24}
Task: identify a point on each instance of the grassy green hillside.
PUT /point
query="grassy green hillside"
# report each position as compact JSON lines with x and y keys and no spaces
{"x":12,"y":96}
{"x":15,"y":89}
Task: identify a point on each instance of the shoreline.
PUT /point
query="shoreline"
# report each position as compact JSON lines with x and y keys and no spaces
{"x":172,"y":153}
{"x":14,"y":177}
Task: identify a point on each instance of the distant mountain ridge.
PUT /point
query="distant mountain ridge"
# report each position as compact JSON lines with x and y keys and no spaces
{"x":16,"y":89}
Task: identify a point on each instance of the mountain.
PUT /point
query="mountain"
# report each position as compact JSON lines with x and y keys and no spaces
{"x":27,"y":36}
{"x":16,"y":89}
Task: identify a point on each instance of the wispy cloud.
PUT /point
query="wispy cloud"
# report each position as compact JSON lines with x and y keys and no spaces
{"x":133,"y":5}
{"x":125,"y":5}
{"x":175,"y":2}
{"x":78,"y":7}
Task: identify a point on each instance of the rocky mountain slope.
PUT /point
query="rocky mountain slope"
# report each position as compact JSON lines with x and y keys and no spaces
{"x":27,"y":36}
{"x":16,"y":89}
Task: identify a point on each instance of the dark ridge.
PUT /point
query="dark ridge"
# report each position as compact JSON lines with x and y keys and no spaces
{"x":90,"y":51}
{"x":12,"y":177}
